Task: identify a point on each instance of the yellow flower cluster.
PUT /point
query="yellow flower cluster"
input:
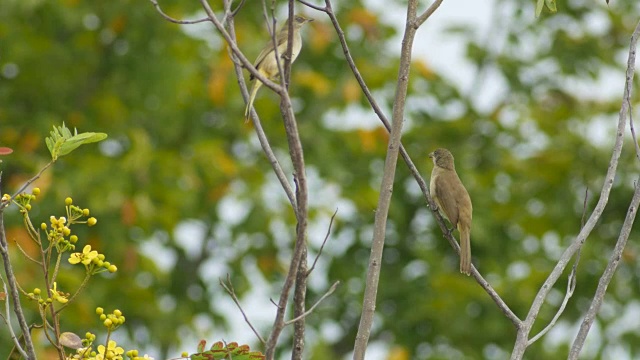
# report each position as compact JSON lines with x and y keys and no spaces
{"x":56,"y":295}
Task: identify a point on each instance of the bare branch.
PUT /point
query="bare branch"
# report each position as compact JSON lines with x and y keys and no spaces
{"x":326,"y":237}
{"x":329,"y":292}
{"x":299,"y":308}
{"x":571,"y":286}
{"x":424,"y":16}
{"x":13,"y":285}
{"x":633,"y":131}
{"x":26,"y":184}
{"x":173,"y":20}
{"x":521,"y":340}
{"x":27,"y":255}
{"x":312,"y":6}
{"x":231,"y":291}
{"x":492,"y":293}
{"x":7,"y":320}
{"x":274,"y":303}
{"x":607,"y":275}
{"x":386,"y":187}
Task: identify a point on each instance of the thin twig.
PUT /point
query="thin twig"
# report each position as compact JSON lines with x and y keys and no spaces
{"x":571,"y":285}
{"x":7,"y":320}
{"x":25,"y":254}
{"x":315,"y":7}
{"x":329,"y":292}
{"x":231,"y":291}
{"x":26,"y":184}
{"x":427,"y":14}
{"x":173,"y":20}
{"x":633,"y":131}
{"x":326,"y":237}
{"x":274,"y":303}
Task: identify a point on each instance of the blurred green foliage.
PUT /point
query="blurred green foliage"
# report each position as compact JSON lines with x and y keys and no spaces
{"x":180,"y":157}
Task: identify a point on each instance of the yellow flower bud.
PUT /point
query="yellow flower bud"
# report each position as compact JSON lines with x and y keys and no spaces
{"x":68,"y":201}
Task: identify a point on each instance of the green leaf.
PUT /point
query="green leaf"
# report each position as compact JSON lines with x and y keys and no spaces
{"x":62,"y":141}
{"x":539,"y":6}
{"x":551,"y":5}
{"x":75,"y":141}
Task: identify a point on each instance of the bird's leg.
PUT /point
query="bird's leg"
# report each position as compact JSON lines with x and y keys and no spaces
{"x":450,"y":231}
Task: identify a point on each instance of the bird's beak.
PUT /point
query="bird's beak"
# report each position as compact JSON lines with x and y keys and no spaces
{"x":430,"y":155}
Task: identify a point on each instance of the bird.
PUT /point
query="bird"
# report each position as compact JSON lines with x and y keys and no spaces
{"x":451,"y":196}
{"x":266,"y":63}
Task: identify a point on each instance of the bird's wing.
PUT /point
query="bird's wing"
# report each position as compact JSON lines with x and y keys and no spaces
{"x":263,"y":54}
{"x":281,"y":39}
{"x":447,"y":184}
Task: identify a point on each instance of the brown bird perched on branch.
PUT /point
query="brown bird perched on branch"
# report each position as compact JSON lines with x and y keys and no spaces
{"x":451,"y":196}
{"x":266,"y":63}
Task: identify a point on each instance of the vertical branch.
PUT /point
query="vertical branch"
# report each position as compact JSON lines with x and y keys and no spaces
{"x":300,"y":177}
{"x":13,"y":290}
{"x":300,"y":291}
{"x":386,"y":187}
{"x":300,"y":248}
{"x":299,"y":297}
{"x":523,"y":332}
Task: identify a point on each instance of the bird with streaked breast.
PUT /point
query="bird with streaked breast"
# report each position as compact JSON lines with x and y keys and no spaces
{"x":451,"y":196}
{"x":266,"y":62}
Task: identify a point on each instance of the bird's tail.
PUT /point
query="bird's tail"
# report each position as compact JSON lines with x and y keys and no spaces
{"x":252,"y":96}
{"x":465,"y":249}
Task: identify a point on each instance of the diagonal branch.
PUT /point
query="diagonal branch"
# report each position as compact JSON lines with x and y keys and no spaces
{"x":607,"y":275}
{"x":231,"y":291}
{"x":174,"y":20}
{"x":323,"y":243}
{"x":306,"y":313}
